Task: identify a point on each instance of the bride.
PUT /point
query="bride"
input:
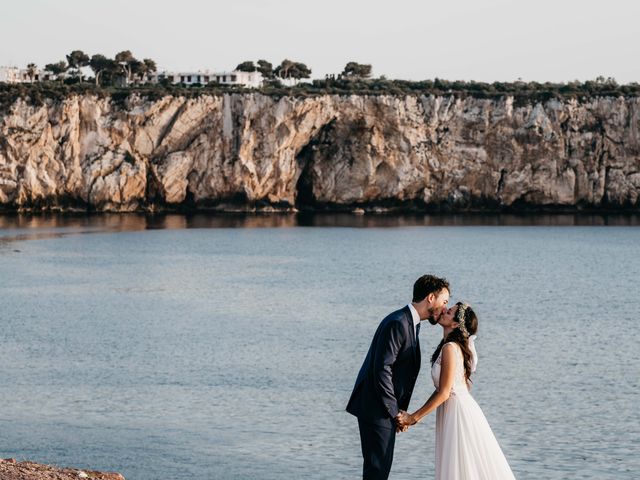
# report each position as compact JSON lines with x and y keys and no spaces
{"x":466,"y":448}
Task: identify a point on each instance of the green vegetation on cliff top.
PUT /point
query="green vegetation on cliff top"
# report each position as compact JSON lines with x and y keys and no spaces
{"x":523,"y":92}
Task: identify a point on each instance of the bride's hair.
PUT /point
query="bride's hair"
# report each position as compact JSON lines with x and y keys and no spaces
{"x":471,"y":323}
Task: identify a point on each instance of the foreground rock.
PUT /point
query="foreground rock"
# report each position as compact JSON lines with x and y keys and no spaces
{"x":243,"y":151}
{"x":12,"y":470}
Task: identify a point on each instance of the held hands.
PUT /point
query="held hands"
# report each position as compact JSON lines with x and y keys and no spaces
{"x":403,"y":421}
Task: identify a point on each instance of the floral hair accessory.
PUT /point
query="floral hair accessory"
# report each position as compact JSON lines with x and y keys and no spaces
{"x":462,"y":309}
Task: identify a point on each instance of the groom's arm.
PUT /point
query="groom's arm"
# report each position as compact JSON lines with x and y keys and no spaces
{"x":387,"y":349}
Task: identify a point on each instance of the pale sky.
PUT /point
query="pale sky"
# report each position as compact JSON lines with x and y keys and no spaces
{"x":484,"y":40}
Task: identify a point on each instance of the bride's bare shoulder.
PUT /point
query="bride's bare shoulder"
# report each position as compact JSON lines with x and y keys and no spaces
{"x":449,"y":350}
{"x":451,"y":346}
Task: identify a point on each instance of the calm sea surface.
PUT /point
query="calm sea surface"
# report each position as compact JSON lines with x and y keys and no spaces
{"x":226,"y":347}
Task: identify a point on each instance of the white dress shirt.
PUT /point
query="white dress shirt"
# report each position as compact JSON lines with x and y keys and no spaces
{"x":416,"y":318}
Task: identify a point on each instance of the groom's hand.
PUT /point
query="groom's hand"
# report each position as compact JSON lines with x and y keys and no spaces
{"x":401,"y":426}
{"x":402,"y":429}
{"x":403,"y":421}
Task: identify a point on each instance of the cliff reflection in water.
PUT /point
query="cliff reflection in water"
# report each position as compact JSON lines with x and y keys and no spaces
{"x":32,"y":227}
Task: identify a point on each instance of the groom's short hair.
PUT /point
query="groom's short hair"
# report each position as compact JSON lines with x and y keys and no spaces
{"x":427,"y":284}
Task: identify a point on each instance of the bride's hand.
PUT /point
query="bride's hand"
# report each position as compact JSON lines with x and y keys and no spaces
{"x":403,"y":421}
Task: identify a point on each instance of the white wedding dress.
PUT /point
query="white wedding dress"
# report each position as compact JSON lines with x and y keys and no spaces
{"x":466,"y":448}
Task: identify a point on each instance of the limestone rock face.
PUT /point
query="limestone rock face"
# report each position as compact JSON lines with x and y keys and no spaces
{"x":10,"y":469}
{"x":243,"y":150}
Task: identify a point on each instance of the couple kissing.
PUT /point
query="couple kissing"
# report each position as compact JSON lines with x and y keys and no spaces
{"x":466,"y":448}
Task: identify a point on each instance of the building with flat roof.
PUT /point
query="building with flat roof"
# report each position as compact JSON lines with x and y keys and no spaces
{"x":10,"y":75}
{"x":236,"y":77}
{"x":22,"y":75}
{"x":245,"y":79}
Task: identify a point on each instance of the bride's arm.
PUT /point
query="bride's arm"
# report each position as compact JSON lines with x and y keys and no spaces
{"x":447,"y":370}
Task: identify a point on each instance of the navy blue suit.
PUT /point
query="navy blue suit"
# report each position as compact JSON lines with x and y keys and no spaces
{"x":383,"y":388}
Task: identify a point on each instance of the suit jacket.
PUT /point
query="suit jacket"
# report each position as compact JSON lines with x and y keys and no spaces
{"x":389,"y":372}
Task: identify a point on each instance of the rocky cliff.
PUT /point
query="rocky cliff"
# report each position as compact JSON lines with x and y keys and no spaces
{"x":246,"y":151}
{"x":10,"y":469}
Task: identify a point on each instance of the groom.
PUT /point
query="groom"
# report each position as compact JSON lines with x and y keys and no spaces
{"x":389,"y":372}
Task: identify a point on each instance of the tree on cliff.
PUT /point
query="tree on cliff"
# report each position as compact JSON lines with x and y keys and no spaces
{"x":140,"y":70}
{"x":356,"y":70}
{"x":76,"y":60}
{"x":150,"y":66}
{"x":247,"y":66}
{"x":100,"y":64}
{"x":290,"y":69}
{"x":265,"y":68}
{"x":127,"y":62}
{"x":32,"y":68}
{"x":58,"y":69}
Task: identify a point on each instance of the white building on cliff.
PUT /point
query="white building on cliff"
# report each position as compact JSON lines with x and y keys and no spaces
{"x":10,"y":75}
{"x":23,"y":75}
{"x":236,"y":77}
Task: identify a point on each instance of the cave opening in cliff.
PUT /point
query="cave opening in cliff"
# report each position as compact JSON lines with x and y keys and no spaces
{"x":304,"y":187}
{"x":320,"y":148}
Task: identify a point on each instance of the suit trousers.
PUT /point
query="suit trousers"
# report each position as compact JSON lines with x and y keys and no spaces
{"x":377,"y":442}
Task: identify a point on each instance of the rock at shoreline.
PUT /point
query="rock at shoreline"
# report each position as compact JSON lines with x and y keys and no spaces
{"x":10,"y":469}
{"x":252,"y":152}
